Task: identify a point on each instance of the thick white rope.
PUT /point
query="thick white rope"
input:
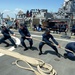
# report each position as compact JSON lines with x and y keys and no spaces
{"x":31,"y":61}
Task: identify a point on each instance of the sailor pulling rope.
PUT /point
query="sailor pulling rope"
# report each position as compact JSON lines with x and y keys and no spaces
{"x":55,"y":45}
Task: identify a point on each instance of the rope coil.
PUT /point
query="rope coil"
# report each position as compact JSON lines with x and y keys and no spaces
{"x":37,"y":63}
{"x":50,"y":70}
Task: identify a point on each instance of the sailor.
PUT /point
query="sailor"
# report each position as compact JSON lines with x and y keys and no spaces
{"x":16,"y":24}
{"x":25,"y":35}
{"x":71,"y":47}
{"x":6,"y":35}
{"x":45,"y":40}
{"x":65,"y":27}
{"x":60,"y":28}
{"x":73,"y":28}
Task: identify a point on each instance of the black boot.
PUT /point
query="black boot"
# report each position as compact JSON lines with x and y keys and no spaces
{"x":65,"y":55}
{"x":15,"y":46}
{"x":40,"y":53}
{"x":25,"y":49}
{"x":58,"y":55}
{"x":30,"y":47}
{"x":7,"y":45}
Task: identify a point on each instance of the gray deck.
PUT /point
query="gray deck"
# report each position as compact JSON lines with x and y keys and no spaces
{"x":63,"y":66}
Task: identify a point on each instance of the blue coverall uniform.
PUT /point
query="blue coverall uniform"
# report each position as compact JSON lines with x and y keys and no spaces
{"x":62,"y":28}
{"x":6,"y":36}
{"x":73,"y":29}
{"x":24,"y":32}
{"x":71,"y":47}
{"x":45,"y":38}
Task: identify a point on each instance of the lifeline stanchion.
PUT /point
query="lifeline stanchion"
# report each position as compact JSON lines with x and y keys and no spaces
{"x":39,"y":64}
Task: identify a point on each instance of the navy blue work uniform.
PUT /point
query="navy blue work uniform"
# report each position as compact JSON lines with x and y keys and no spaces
{"x":6,"y":35}
{"x":25,"y":33}
{"x":71,"y":47}
{"x":62,"y":28}
{"x":73,"y":29}
{"x":45,"y":40}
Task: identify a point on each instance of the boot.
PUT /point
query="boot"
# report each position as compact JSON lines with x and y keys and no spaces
{"x":58,"y":55}
{"x":7,"y":45}
{"x":25,"y":49}
{"x":15,"y":46}
{"x":40,"y":53}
